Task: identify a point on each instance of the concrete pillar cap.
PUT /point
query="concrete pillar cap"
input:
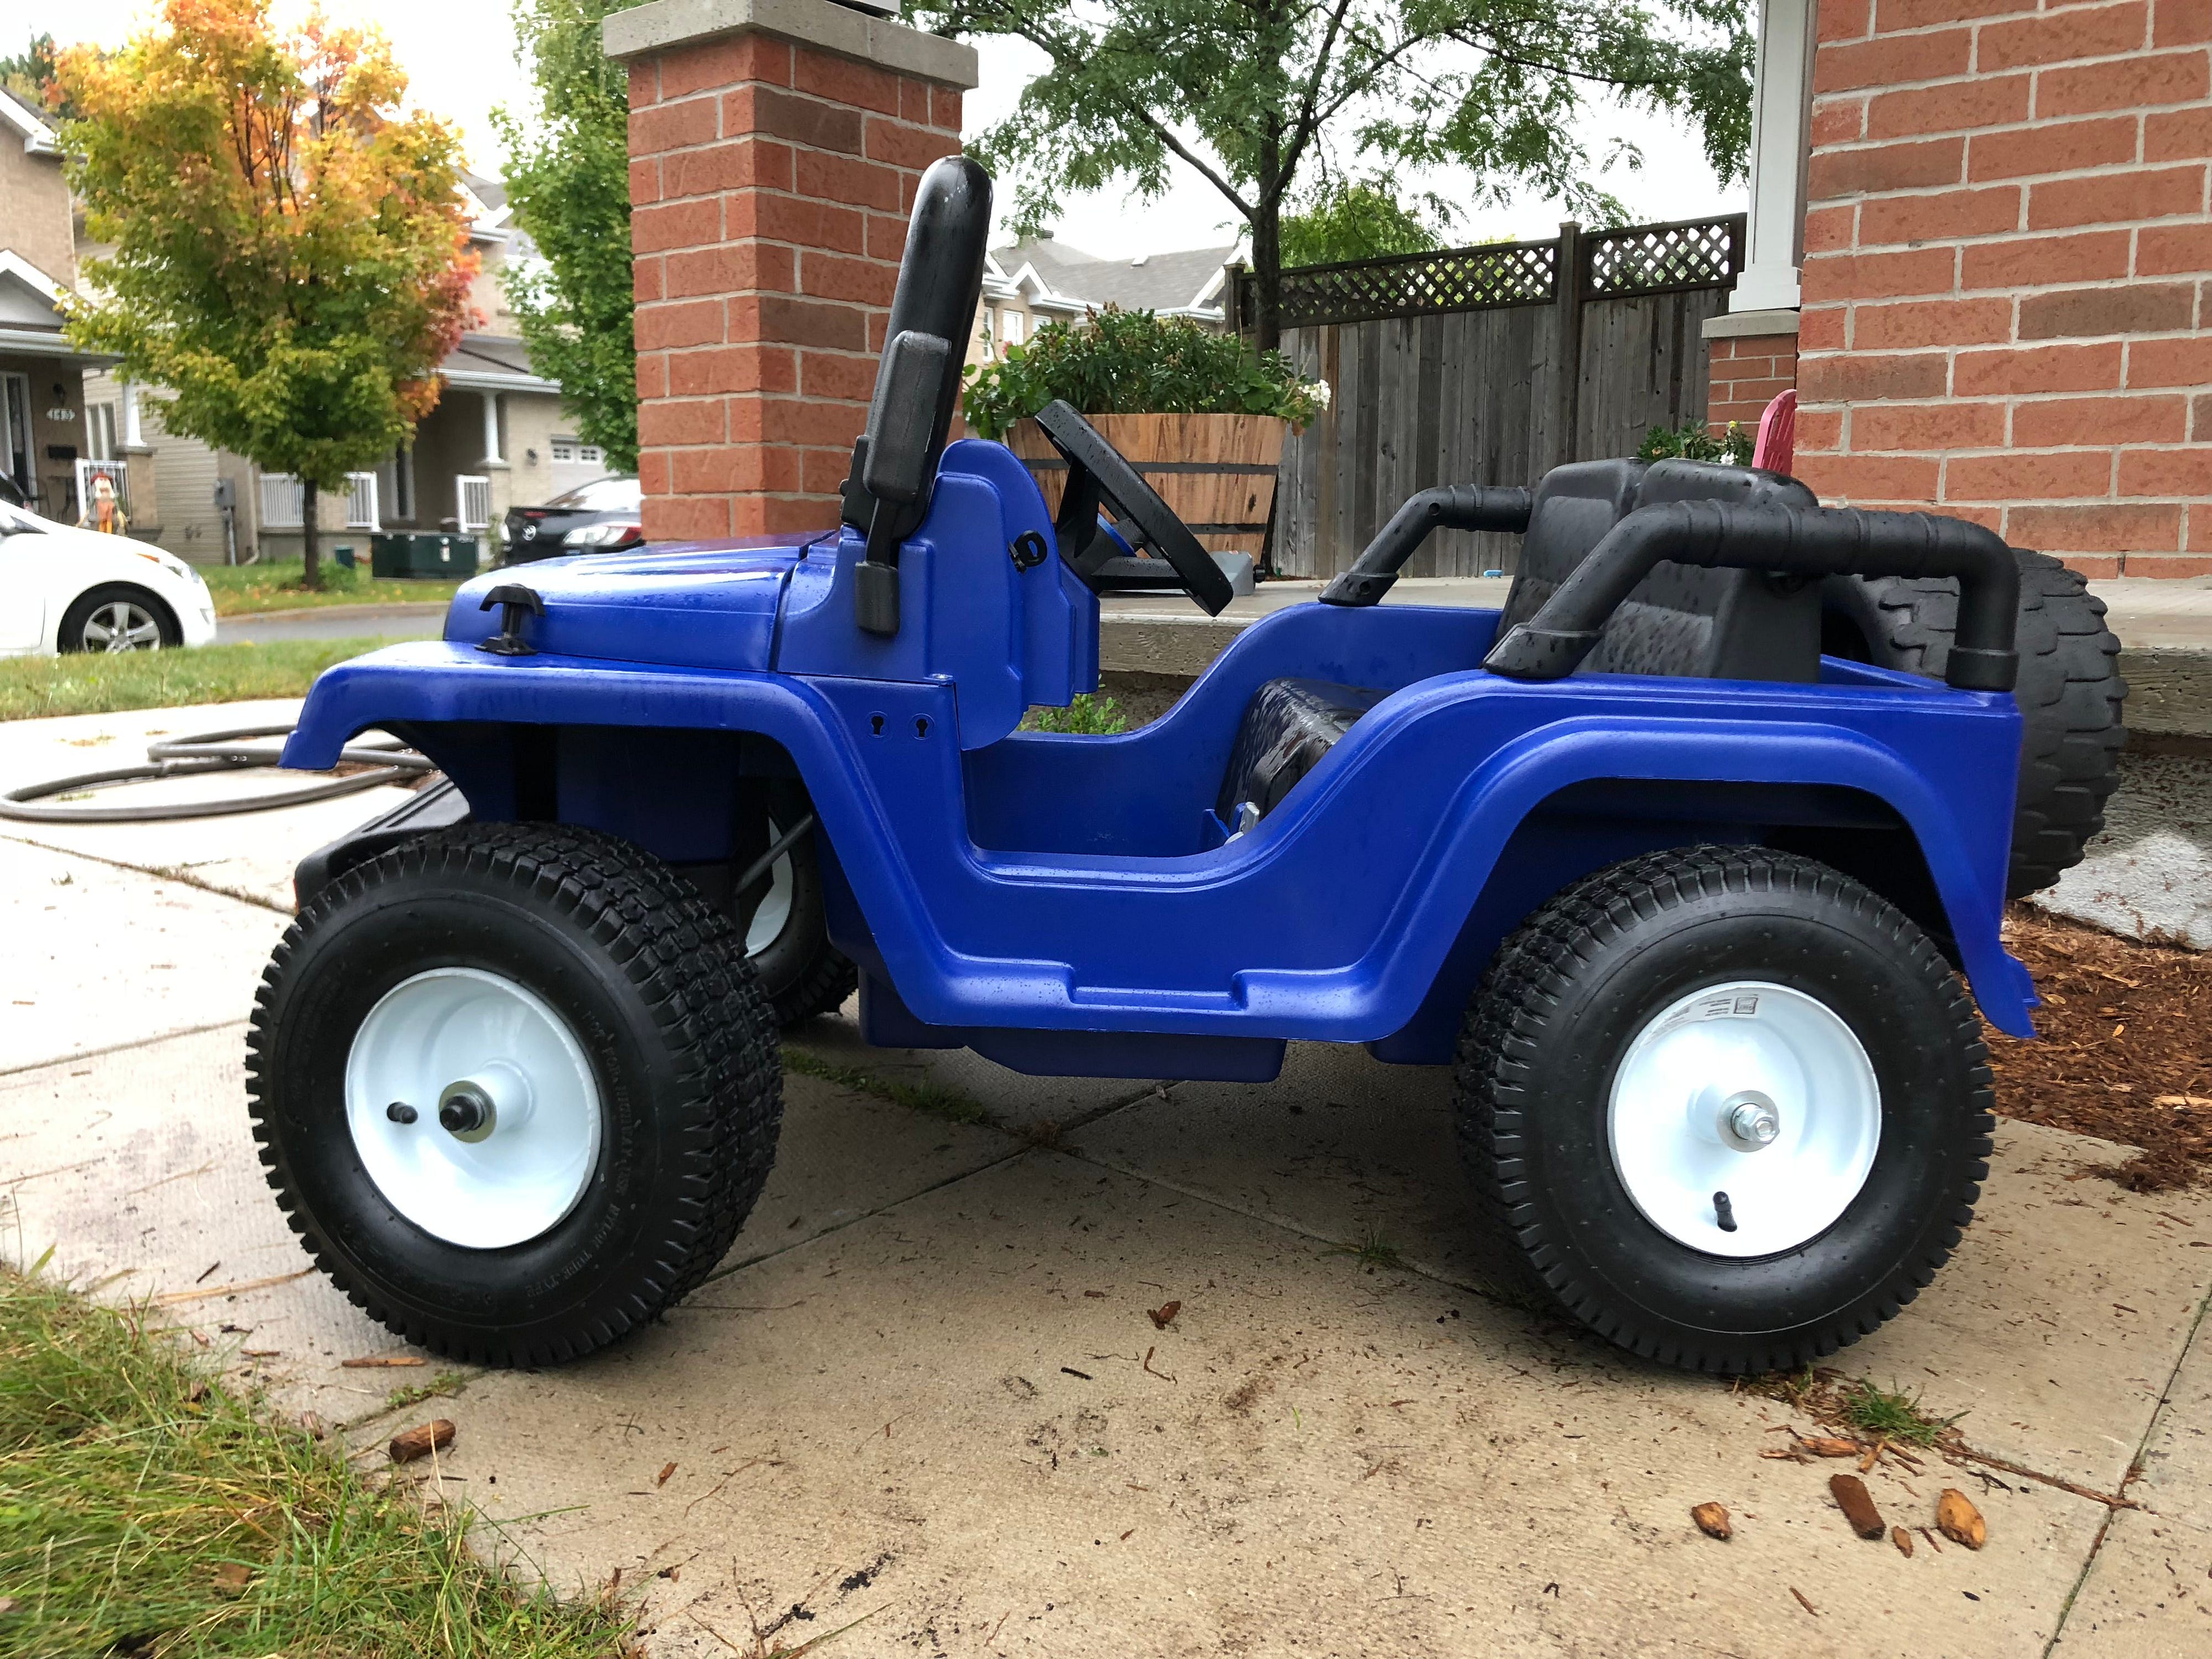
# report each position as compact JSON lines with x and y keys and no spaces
{"x":823,"y":24}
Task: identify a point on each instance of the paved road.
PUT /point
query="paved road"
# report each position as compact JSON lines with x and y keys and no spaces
{"x":925,"y":1387}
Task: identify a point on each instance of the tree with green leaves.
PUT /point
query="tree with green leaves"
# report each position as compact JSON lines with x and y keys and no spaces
{"x":1254,"y":96}
{"x":291,"y":259}
{"x":1361,"y":219}
{"x":568,"y":179}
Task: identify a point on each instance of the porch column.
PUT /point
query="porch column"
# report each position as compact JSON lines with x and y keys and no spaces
{"x":1781,"y":113}
{"x":491,"y":455}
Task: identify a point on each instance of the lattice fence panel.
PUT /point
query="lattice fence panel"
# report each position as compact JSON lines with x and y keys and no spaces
{"x":1417,"y":284}
{"x":1657,"y":259}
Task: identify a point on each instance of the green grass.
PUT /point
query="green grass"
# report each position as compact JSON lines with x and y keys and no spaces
{"x":242,"y":590}
{"x":948,"y":1103}
{"x":1087,"y":716}
{"x":445,"y":1384}
{"x":1373,"y":1253}
{"x":33,"y":687}
{"x":1879,"y":1414}
{"x":146,"y":1510}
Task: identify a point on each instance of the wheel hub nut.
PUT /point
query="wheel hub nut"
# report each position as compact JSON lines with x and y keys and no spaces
{"x":465,"y":1110}
{"x":1751,"y":1121}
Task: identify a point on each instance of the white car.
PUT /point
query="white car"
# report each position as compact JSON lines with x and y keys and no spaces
{"x":66,"y":589}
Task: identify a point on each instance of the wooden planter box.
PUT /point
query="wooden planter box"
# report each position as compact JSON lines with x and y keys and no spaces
{"x":1217,"y":471}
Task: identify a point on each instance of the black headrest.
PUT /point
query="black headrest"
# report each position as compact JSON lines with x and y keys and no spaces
{"x":940,"y":282}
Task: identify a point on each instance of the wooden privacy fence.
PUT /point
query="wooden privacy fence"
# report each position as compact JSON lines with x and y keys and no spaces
{"x":1447,"y":368}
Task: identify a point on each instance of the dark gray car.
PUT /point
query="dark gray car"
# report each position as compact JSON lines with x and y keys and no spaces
{"x":599,"y":517}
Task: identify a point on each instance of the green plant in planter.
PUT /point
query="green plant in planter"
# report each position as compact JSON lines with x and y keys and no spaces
{"x":1693,"y":443}
{"x":1135,"y":362}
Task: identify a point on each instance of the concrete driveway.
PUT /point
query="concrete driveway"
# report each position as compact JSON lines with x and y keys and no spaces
{"x":927,"y":1390}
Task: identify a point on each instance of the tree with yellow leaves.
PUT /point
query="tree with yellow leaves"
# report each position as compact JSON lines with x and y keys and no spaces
{"x":291,"y":257}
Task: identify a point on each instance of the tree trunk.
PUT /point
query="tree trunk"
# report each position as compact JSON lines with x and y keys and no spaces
{"x":1267,"y":245}
{"x":311,"y":577}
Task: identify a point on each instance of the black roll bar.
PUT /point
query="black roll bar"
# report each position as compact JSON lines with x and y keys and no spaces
{"x":1788,"y":541}
{"x":1448,"y":507}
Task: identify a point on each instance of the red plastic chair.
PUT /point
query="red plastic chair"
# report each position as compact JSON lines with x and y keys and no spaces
{"x":1775,"y":446}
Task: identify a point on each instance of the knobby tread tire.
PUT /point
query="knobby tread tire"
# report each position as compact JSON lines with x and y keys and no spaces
{"x":822,"y":989}
{"x":686,"y":964}
{"x":1527,"y":985}
{"x":2070,"y":696}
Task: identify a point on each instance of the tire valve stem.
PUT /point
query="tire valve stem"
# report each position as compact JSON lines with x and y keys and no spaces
{"x":400,"y":1112}
{"x":1725,"y":1211}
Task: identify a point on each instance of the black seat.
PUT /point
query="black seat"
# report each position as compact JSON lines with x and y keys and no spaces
{"x":1679,"y":621}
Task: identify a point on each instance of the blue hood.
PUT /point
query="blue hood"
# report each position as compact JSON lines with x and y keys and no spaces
{"x":689,"y":607}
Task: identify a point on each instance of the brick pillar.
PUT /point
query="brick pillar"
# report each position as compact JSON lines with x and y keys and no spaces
{"x":775,"y":147}
{"x":2006,"y":241}
{"x":1751,"y":357}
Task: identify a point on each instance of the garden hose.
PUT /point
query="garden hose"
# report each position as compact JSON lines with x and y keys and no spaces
{"x":198,"y":756}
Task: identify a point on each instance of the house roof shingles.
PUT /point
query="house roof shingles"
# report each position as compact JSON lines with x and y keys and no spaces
{"x":1174,"y":282}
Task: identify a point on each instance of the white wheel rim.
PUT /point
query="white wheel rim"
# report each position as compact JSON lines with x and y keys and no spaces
{"x":774,"y":911}
{"x":121,"y":626}
{"x":497,"y":1187}
{"x":1708,"y":1075}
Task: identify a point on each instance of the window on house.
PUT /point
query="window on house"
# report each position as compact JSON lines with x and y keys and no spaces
{"x":100,"y":431}
{"x":564,"y":450}
{"x":1013,"y":323}
{"x":590,"y":455}
{"x":15,"y":433}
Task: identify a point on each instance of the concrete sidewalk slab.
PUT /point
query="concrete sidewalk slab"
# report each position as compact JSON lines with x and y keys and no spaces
{"x":100,"y":957}
{"x":958,"y":1416}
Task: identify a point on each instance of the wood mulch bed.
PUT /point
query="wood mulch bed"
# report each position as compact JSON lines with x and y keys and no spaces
{"x":2125,"y":1052}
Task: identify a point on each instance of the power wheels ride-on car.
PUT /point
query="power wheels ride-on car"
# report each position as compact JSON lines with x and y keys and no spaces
{"x":1692,"y":908}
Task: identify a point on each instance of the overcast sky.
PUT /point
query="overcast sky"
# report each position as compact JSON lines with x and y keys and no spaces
{"x":459,"y":57}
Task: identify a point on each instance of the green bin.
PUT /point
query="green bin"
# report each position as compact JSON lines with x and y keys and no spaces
{"x":422,"y":554}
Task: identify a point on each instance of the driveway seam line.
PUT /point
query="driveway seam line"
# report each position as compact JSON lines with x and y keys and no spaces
{"x":125,"y":1047}
{"x":2134,"y":1473}
{"x":161,"y":871}
{"x":1022,"y":1149}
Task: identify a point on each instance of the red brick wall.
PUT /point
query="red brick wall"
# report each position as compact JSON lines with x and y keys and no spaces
{"x":1746,"y":374}
{"x":769,"y":185}
{"x":2007,"y":243}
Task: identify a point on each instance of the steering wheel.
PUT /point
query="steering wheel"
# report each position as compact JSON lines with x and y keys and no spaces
{"x":1098,"y":475}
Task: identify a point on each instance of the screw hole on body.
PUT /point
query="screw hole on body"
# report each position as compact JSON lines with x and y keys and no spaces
{"x":875,"y":724}
{"x":922,"y":726}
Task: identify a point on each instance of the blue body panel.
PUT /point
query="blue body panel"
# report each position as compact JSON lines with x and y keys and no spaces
{"x":1069,"y":904}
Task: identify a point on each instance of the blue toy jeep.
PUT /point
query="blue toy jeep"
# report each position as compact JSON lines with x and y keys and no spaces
{"x":1691,"y":904}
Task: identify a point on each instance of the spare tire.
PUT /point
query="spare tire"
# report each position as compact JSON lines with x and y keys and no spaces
{"x":2069,"y":693}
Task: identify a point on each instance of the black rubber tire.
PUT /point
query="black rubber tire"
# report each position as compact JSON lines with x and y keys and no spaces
{"x":653,"y":982}
{"x":2069,"y":693}
{"x":1566,"y":994}
{"x":801,"y":972}
{"x":69,"y":637}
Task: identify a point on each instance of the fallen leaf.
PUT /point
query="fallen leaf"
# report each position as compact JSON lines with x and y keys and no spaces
{"x":1903,"y":1539}
{"x":667,"y":1469}
{"x":421,"y":1440}
{"x":381,"y":1362}
{"x":1803,"y":1602}
{"x":1958,"y":1520}
{"x":231,"y":1577}
{"x":1164,"y":1315}
{"x":1712,"y":1520}
{"x":1822,"y":1445}
{"x":1858,"y":1504}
